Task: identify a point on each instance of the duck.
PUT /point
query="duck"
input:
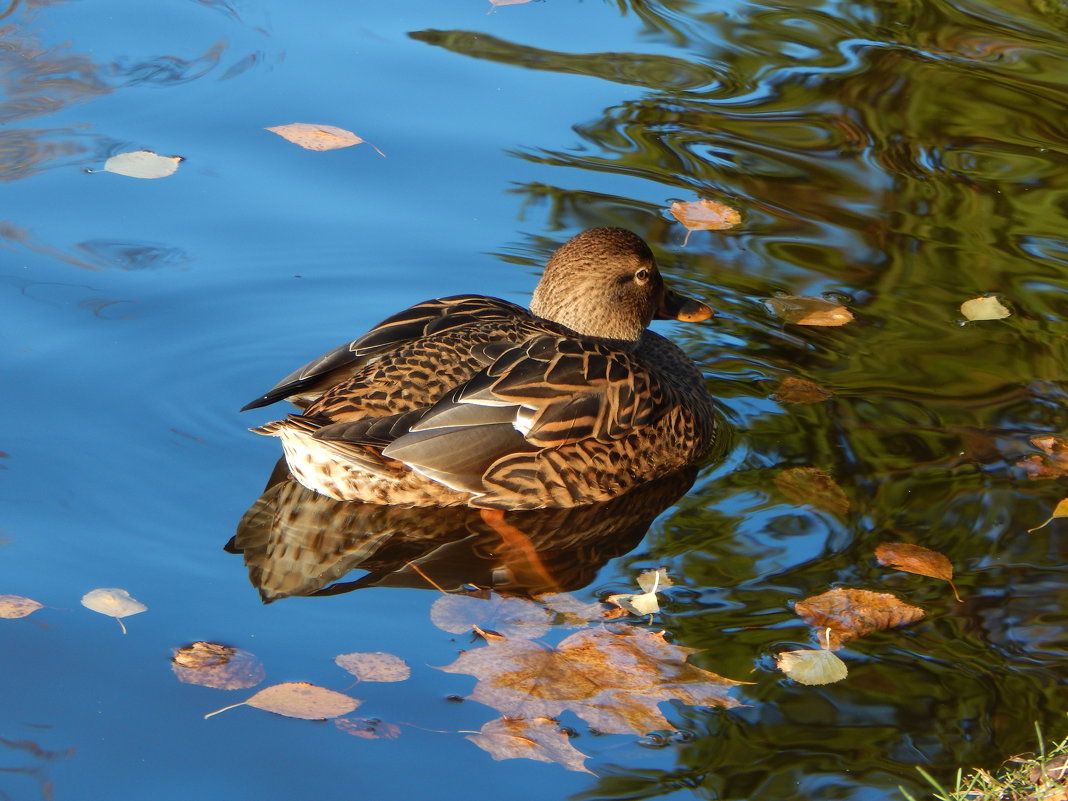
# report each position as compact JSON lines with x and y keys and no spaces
{"x":470,"y":400}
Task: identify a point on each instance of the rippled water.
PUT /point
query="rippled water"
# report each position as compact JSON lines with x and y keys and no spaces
{"x":900,"y":157}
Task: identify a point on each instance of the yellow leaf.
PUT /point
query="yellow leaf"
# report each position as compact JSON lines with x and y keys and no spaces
{"x":984,"y":308}
{"x":12,"y":606}
{"x":1060,"y":510}
{"x":298,"y":699}
{"x":704,"y":215}
{"x":802,"y":310}
{"x":811,"y":667}
{"x":142,"y":164}
{"x":112,"y":601}
{"x":319,"y":137}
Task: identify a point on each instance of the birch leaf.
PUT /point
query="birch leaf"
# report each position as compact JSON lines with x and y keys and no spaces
{"x":1060,"y":510}
{"x":298,"y":699}
{"x":114,"y":602}
{"x":811,"y":667}
{"x":142,"y":164}
{"x":374,"y":666}
{"x":319,"y":137}
{"x":13,"y":606}
{"x":984,"y":308}
{"x":704,"y":215}
{"x":222,"y":667}
{"x":916,"y":559}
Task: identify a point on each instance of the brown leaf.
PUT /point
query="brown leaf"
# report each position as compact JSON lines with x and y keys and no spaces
{"x":319,"y":137}
{"x":1057,"y":464}
{"x":916,"y":559}
{"x":223,"y":667}
{"x":12,"y":606}
{"x":1060,"y":510}
{"x":535,"y":738}
{"x":298,"y":699}
{"x":808,"y":311}
{"x":374,"y":666}
{"x":810,"y":485}
{"x":704,"y":215}
{"x":799,"y":390}
{"x":511,"y":617}
{"x":851,"y":613}
{"x":368,"y":729}
{"x":611,"y":679}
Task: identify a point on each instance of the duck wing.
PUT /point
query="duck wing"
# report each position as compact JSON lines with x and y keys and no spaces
{"x":548,"y":392}
{"x":306,"y":383}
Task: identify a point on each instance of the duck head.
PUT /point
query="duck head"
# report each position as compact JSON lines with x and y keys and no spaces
{"x":605,"y":283}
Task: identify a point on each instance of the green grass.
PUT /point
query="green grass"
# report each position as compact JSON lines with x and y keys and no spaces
{"x":1042,"y":777}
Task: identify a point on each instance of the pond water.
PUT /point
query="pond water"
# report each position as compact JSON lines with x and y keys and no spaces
{"x":899,"y":157}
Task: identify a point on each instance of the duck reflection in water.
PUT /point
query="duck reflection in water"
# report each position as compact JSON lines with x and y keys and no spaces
{"x":298,"y":542}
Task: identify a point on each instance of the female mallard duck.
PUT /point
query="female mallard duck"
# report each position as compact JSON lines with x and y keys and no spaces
{"x":471,"y":400}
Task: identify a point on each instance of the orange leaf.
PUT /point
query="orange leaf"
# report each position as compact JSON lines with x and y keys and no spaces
{"x":12,"y":606}
{"x":916,"y":559}
{"x":799,"y":390}
{"x":851,"y":613}
{"x":808,"y":311}
{"x":298,"y":699}
{"x":704,"y":215}
{"x":319,"y":137}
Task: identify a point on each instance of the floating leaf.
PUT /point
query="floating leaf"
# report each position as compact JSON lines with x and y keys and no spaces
{"x":808,"y":311}
{"x":916,"y":559}
{"x":799,"y":390}
{"x":1057,"y":464}
{"x":1060,"y":510}
{"x":535,"y":738}
{"x":810,"y":485}
{"x":113,"y":602}
{"x":319,"y":137}
{"x":223,"y":667}
{"x":374,"y":666}
{"x":368,"y":729}
{"x":704,"y":215}
{"x":298,"y":699}
{"x":511,"y":617}
{"x":850,"y":613}
{"x":984,"y":308}
{"x":570,"y":611}
{"x":12,"y":606}
{"x":811,"y":667}
{"x":643,"y":603}
{"x":613,"y":680}
{"x":142,"y":164}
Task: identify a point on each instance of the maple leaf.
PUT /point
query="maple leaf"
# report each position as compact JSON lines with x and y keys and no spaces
{"x":611,"y":679}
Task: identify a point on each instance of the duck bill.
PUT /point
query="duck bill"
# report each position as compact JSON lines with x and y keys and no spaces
{"x":680,"y":307}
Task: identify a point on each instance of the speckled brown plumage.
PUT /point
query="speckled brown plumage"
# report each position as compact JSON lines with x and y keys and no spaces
{"x":474,"y":401}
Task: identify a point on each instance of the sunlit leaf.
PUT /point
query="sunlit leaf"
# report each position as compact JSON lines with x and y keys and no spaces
{"x":984,"y":308}
{"x":211,"y":664}
{"x":1060,"y":510}
{"x":643,"y":603}
{"x":113,"y":602}
{"x":536,"y":738}
{"x":1057,"y":464}
{"x":142,"y":164}
{"x":298,"y":699}
{"x":852,"y":613}
{"x":319,"y":137}
{"x":12,"y":606}
{"x":511,"y":617}
{"x":613,"y":680}
{"x":810,"y":485}
{"x":798,"y":390}
{"x":368,"y":729}
{"x":374,"y":666}
{"x":916,"y":559}
{"x":808,"y":311}
{"x":704,"y":215}
{"x":811,"y":667}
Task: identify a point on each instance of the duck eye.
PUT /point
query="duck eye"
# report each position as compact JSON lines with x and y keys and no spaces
{"x":641,"y":276}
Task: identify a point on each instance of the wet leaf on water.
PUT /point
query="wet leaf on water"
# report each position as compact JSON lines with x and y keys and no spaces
{"x":368,"y":729}
{"x":298,"y":699}
{"x":812,"y":486}
{"x":916,"y":559}
{"x":13,"y":606}
{"x":374,"y":666}
{"x":511,"y":617}
{"x":222,"y":667}
{"x":799,"y":390}
{"x":852,"y":613}
{"x":533,"y":738}
{"x":811,"y":667}
{"x":984,"y":308}
{"x":496,"y":3}
{"x":808,"y":311}
{"x":704,"y":215}
{"x":611,"y":679}
{"x":570,"y":611}
{"x":142,"y":164}
{"x":644,"y":603}
{"x":1060,"y":510}
{"x":1057,"y":464}
{"x":319,"y":137}
{"x":114,"y":602}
